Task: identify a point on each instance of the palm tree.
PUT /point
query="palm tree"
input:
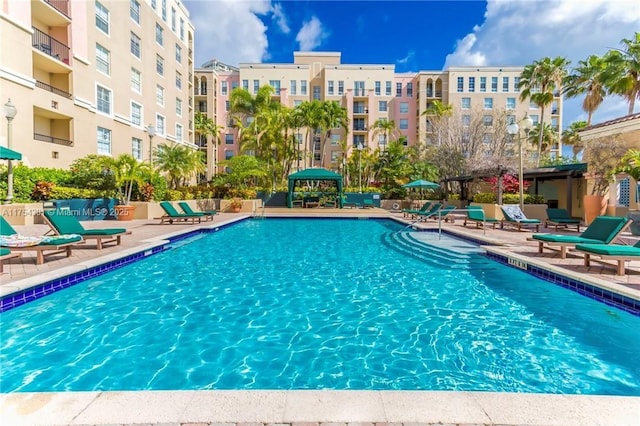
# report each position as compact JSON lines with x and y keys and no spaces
{"x":384,"y":127}
{"x":436,"y":112}
{"x":310,"y":113}
{"x":179,"y":163}
{"x":127,"y":171}
{"x":539,"y":82}
{"x":243,"y":107}
{"x":622,"y":75}
{"x":570,"y":136}
{"x":587,"y":79}
{"x":333,"y":116}
{"x":547,"y":137}
{"x":207,"y":127}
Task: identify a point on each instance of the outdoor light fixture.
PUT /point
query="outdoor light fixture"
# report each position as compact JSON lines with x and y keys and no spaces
{"x":152,"y":132}
{"x":513,"y":129}
{"x":10,"y":112}
{"x":359,"y":148}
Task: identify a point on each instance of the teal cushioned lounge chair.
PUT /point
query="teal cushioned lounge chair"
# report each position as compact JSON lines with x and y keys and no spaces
{"x":610,"y":252}
{"x":475,"y":214}
{"x":208,"y":214}
{"x":367,"y":203}
{"x":172,"y":215}
{"x":6,"y":254}
{"x":560,"y":217}
{"x":63,"y":222}
{"x":10,"y":239}
{"x":513,"y":215}
{"x":603,"y":230}
{"x":432,"y":210}
{"x":413,"y":212}
{"x":443,"y":213}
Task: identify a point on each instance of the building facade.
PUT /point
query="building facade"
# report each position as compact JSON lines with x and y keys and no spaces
{"x":368,"y":93}
{"x":90,"y":77}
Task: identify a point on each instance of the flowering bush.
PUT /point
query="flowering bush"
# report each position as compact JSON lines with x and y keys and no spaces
{"x":510,"y":184}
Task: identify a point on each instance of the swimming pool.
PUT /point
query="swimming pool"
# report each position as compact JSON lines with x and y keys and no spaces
{"x":318,"y":304}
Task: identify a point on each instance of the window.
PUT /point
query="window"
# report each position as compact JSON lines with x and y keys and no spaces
{"x":335,"y":139}
{"x":316,"y":93}
{"x":398,"y":89}
{"x":136,"y":114}
{"x":382,"y":106}
{"x":511,"y":103}
{"x":299,"y":138}
{"x":466,"y":120}
{"x":533,"y":105}
{"x":153,"y":4}
{"x":486,"y":138}
{"x":228,"y":139}
{"x":159,"y":65}
{"x":159,"y":34}
{"x":164,"y":10}
{"x":179,"y":132}
{"x":256,"y":86}
{"x":511,"y":119}
{"x":505,"y":84}
{"x":382,"y":140}
{"x":245,"y":85}
{"x":134,"y":11}
{"x":178,"y":80}
{"x":103,"y":99}
{"x":135,"y":45}
{"x":136,"y":148}
{"x":516,"y":84}
{"x":160,"y":124}
{"x":483,"y":84}
{"x":387,"y":88}
{"x":465,"y":103}
{"x":494,"y":84}
{"x":227,"y":105}
{"x":224,"y":87}
{"x":181,"y":29}
{"x":404,"y":124}
{"x":160,"y":95}
{"x":173,"y":19}
{"x":276,"y":86}
{"x":335,"y":156}
{"x":535,"y":119}
{"x":104,"y":141}
{"x":410,"y":89}
{"x":358,"y":87}
{"x":472,"y":84}
{"x":340,"y":87}
{"x":297,"y":102}
{"x":488,"y":103}
{"x":103,"y":60}
{"x":404,"y":107}
{"x":460,"y":84}
{"x":228,"y":154}
{"x":136,"y":80}
{"x":303,"y":87}
{"x":377,"y":88}
{"x":234,"y":85}
{"x":178,"y":54}
{"x":102,"y":18}
{"x":487,"y":120}
{"x":179,"y":107}
{"x":330,"y":87}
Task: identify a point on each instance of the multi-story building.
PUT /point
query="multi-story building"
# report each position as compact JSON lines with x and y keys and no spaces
{"x":90,"y":77}
{"x":369,"y":93}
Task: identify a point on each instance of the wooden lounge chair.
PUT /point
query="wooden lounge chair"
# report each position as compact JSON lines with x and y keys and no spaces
{"x":432,"y":210}
{"x":475,"y":214}
{"x":413,"y":212}
{"x":445,"y":213}
{"x":603,"y":230}
{"x":367,"y":203}
{"x":620,"y":254}
{"x":172,"y":215}
{"x":350,"y":204}
{"x":42,"y":246}
{"x":6,"y":254}
{"x":513,"y":215}
{"x":207,"y":214}
{"x":63,"y":222}
{"x":560,"y":217}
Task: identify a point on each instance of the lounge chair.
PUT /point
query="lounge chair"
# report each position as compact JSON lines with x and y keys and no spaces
{"x":6,"y":254}
{"x":15,"y":242}
{"x":445,"y":213}
{"x":350,"y":204}
{"x":603,"y":230}
{"x":208,"y":214}
{"x":476,"y":214}
{"x":413,"y":212}
{"x":63,"y":222}
{"x":367,"y":203}
{"x":618,"y":253}
{"x":172,"y":215}
{"x":513,"y":215}
{"x":432,"y":210}
{"x":560,"y":217}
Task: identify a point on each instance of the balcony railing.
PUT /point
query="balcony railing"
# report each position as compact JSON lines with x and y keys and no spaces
{"x":49,"y":45}
{"x":360,"y":128}
{"x":52,"y":89}
{"x":61,"y":6}
{"x":51,"y":139}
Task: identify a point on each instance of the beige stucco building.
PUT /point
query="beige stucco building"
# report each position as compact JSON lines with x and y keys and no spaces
{"x":368,"y":92}
{"x":88,"y":77}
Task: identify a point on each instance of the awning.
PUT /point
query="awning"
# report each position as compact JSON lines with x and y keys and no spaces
{"x":317,"y":175}
{"x":9,"y":154}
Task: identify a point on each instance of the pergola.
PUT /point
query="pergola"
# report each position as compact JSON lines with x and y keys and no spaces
{"x":318,"y":175}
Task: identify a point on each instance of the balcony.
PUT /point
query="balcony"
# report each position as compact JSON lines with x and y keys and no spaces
{"x":360,"y":128}
{"x":54,"y":13}
{"x":52,"y":89}
{"x":50,"y":46}
{"x":51,"y":139}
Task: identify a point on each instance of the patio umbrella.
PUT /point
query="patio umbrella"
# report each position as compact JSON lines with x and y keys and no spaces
{"x":9,"y":154}
{"x":421,"y":184}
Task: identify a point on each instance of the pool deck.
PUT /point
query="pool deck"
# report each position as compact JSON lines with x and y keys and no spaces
{"x":308,"y":408}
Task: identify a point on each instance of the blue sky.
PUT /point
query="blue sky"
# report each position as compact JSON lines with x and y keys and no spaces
{"x":417,"y":35}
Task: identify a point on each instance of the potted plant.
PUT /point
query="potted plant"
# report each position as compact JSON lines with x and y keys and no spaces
{"x":127,"y":171}
{"x":235,"y":204}
{"x":630,"y":165}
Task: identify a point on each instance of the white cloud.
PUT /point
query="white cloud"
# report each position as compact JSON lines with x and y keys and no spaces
{"x":520,"y":32}
{"x":280,"y":18}
{"x":311,"y":35}
{"x":407,"y":58}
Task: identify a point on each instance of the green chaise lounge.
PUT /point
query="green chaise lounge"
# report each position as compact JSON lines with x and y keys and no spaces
{"x":560,"y":217}
{"x":6,"y":254}
{"x":63,"y":222}
{"x":476,"y":214}
{"x":13,"y":241}
{"x":603,"y":230}
{"x":515,"y":216}
{"x":208,"y":214}
{"x":432,"y":210}
{"x":443,"y":213}
{"x":367,"y":203}
{"x":172,"y":215}
{"x":413,"y":212}
{"x":610,"y":252}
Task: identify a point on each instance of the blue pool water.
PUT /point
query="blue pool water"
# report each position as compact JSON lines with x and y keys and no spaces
{"x":318,"y":304}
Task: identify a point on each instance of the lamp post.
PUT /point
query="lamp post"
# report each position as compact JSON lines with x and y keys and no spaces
{"x":10,"y":112}
{"x":152,"y":132}
{"x":359,"y":148}
{"x":513,"y":129}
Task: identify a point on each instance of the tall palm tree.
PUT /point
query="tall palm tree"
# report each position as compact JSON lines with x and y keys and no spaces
{"x":206,"y":127}
{"x":622,"y":75}
{"x":333,"y":116}
{"x":384,"y":127}
{"x":539,"y":82}
{"x":243,"y":106}
{"x":178,"y":162}
{"x":570,"y":136}
{"x":437,"y":112}
{"x":310,"y":113}
{"x":587,"y":79}
{"x":547,"y":137}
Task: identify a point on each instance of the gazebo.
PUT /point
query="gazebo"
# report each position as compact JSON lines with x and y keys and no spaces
{"x":319,"y":175}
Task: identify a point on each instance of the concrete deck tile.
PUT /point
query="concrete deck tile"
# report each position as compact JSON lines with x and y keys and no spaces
{"x":334,"y":406}
{"x":18,"y":409}
{"x":433,"y":407}
{"x":237,"y":406}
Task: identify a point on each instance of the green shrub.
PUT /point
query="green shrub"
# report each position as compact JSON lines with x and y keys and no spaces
{"x":172,"y":195}
{"x":490,"y":198}
{"x":66,"y":193}
{"x":485,"y":198}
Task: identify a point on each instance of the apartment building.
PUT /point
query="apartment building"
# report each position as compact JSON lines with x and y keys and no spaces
{"x":91,"y":77}
{"x":369,"y":93}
